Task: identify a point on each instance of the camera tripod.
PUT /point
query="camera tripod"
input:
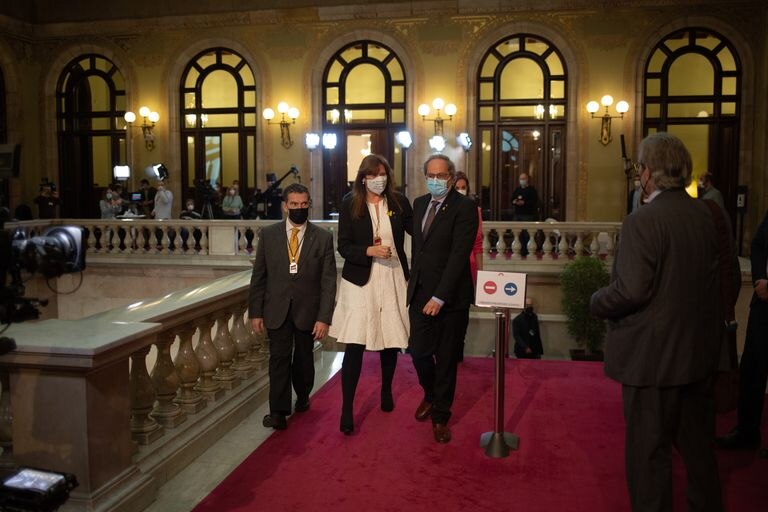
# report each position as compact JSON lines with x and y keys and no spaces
{"x":206,"y":211}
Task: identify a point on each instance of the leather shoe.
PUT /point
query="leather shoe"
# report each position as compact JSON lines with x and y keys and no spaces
{"x":737,"y":440}
{"x":423,"y":411}
{"x":275,"y":421}
{"x":301,"y":405}
{"x":442,"y":432}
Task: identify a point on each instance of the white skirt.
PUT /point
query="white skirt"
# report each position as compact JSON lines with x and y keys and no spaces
{"x":375,"y":314}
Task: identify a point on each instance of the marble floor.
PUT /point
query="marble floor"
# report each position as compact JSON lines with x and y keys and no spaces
{"x":182,"y":492}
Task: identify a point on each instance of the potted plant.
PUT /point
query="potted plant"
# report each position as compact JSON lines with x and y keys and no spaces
{"x":579,"y":280}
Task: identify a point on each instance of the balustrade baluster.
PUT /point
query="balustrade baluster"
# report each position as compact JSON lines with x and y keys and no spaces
{"x":141,"y":236}
{"x":144,"y":428}
{"x":208,"y":357}
{"x":203,"y":239}
{"x":563,"y":245}
{"x":546,"y":247}
{"x":610,"y":246}
{"x":243,"y":368}
{"x":166,"y":382}
{"x":226,"y":349}
{"x":188,"y":369}
{"x":594,"y":246}
{"x":259,"y":351}
{"x":509,"y":239}
{"x":578,"y":246}
{"x":532,"y":246}
{"x":517,"y":246}
{"x":92,"y":238}
{"x":242,"y":242}
{"x":493,"y":241}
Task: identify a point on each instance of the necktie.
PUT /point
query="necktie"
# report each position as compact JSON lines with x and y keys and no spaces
{"x":293,"y":245}
{"x":430,"y":217}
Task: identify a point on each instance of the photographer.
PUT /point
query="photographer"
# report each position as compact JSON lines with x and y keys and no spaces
{"x":47,"y":200}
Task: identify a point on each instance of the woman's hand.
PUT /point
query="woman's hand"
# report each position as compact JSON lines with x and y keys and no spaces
{"x":379,"y":251}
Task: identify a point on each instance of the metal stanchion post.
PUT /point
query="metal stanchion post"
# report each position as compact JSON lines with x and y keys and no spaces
{"x":498,"y":443}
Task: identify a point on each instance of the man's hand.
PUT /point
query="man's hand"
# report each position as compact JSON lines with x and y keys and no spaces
{"x":431,"y":308}
{"x":528,"y":350}
{"x":320,"y":330}
{"x":258,"y":325}
{"x":761,"y":289}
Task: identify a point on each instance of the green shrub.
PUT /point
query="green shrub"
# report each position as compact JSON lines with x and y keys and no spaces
{"x":579,"y":280}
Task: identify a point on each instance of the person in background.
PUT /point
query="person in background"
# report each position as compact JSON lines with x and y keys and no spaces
{"x":47,"y":201}
{"x":525,"y":200}
{"x":110,"y":204}
{"x":710,"y":192}
{"x":232,"y":204}
{"x":293,"y":286}
{"x":526,"y":333}
{"x":635,"y":196}
{"x":147,"y":197}
{"x":753,"y":368}
{"x":440,"y":289}
{"x":371,"y":313}
{"x":189,"y":213}
{"x":476,"y":256}
{"x":163,"y":202}
{"x":665,"y":330}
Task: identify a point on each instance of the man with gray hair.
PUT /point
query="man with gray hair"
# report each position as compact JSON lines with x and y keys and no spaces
{"x":665,"y":329}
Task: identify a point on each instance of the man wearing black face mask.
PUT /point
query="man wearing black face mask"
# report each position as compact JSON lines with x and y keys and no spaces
{"x":293,"y":287}
{"x":525,"y":331}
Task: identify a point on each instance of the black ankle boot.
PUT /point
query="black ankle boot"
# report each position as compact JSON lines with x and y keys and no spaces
{"x":387,"y":402}
{"x":346,"y":425}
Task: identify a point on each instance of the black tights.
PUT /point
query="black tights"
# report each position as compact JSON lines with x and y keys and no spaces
{"x":353,"y":365}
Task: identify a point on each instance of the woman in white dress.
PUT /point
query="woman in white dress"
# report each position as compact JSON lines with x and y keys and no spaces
{"x":371,"y":311}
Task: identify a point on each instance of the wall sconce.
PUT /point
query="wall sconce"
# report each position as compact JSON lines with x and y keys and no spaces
{"x":285,"y":131}
{"x":438,"y":104}
{"x":404,"y":139}
{"x":605,"y":129}
{"x":329,"y":140}
{"x":464,"y":141}
{"x":149,"y":119}
{"x":312,"y":141}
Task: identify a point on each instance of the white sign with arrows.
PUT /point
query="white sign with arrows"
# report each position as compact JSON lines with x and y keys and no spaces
{"x":500,"y":289}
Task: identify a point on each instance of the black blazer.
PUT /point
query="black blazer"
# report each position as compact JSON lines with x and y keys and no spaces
{"x":759,"y":259}
{"x":440,"y":262}
{"x":356,"y":235}
{"x":308,"y":294}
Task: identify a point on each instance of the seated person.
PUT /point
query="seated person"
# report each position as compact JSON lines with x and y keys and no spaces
{"x":525,"y":331}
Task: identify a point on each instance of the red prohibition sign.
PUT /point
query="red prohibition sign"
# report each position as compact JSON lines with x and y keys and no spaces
{"x":489,"y":287}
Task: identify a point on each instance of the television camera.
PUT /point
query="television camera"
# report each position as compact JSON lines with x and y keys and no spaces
{"x":59,"y":250}
{"x":266,"y":205}
{"x":206,"y":195}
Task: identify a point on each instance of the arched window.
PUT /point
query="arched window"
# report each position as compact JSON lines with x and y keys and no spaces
{"x":693,"y":89}
{"x":521,"y":121}
{"x":90,"y":103}
{"x":218,"y":132}
{"x":364,"y":101}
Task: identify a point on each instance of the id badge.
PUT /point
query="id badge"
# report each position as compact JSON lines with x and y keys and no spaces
{"x":293,"y":268}
{"x":377,"y":240}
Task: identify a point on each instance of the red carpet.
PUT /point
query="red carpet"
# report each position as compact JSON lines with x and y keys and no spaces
{"x":567,"y":415}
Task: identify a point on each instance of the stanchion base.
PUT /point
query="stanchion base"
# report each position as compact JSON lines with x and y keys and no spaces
{"x":498,"y":444}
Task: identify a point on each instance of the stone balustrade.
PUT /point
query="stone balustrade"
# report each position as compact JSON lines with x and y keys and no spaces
{"x":123,"y":399}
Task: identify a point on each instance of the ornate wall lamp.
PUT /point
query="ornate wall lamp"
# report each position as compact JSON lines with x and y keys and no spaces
{"x":288,"y":117}
{"x":438,"y":104}
{"x":605,"y":129}
{"x":149,"y":119}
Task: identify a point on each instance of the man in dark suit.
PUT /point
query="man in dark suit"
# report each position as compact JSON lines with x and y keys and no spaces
{"x":440,"y":289}
{"x":665,"y":330}
{"x":753,"y":370}
{"x":526,"y":332}
{"x":293,"y":287}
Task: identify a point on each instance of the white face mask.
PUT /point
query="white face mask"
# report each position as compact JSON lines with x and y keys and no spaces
{"x":523,"y":183}
{"x":376,"y":185}
{"x":109,"y":196}
{"x":462,"y":191}
{"x":637,"y":183}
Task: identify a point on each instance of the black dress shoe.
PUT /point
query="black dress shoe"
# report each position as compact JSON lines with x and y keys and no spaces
{"x":346,"y":425}
{"x":275,"y":421}
{"x":301,"y":405}
{"x":442,"y":432}
{"x":423,"y":411}
{"x":737,"y":440}
{"x":387,"y":402}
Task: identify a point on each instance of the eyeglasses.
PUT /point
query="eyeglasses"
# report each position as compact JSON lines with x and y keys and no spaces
{"x":639,"y":166}
{"x":443,"y":176}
